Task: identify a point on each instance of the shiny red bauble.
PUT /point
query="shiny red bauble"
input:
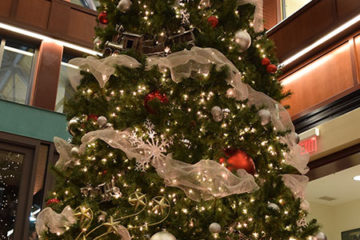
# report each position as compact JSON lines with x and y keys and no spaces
{"x":214,"y":21}
{"x":265,"y":61}
{"x":271,"y":68}
{"x":103,"y":17}
{"x":152,"y":96}
{"x":52,"y":201}
{"x":238,"y":159}
{"x":92,"y":117}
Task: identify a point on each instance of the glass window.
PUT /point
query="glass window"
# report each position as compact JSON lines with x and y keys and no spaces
{"x":291,"y":6}
{"x":10,"y":178}
{"x":16,"y":66}
{"x":92,"y":4}
{"x":65,"y":90}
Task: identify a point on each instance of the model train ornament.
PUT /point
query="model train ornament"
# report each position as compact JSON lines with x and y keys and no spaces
{"x":148,"y":45}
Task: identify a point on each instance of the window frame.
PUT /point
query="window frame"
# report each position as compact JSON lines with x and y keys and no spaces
{"x":30,"y":148}
{"x":3,"y":41}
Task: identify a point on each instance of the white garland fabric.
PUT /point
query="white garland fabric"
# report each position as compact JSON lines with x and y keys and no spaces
{"x":49,"y":220}
{"x":183,"y":63}
{"x":204,"y":180}
{"x":258,"y":15}
{"x":102,"y":68}
{"x":296,"y":183}
{"x":64,"y":149}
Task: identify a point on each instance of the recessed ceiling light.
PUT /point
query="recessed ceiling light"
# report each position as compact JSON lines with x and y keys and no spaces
{"x":357,"y":178}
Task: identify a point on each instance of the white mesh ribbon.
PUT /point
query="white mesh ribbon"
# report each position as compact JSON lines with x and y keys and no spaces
{"x":258,"y":15}
{"x":49,"y":220}
{"x":204,"y":180}
{"x":296,"y":183}
{"x":64,"y":149}
{"x":102,"y":68}
{"x":197,"y":60}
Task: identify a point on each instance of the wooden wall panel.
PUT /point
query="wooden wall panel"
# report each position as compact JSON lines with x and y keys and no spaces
{"x":5,"y":8}
{"x":301,"y":30}
{"x":59,"y":18}
{"x":82,"y":26}
{"x":318,"y":82}
{"x":347,"y":8}
{"x":271,"y":13}
{"x":357,"y":56}
{"x":33,"y":12}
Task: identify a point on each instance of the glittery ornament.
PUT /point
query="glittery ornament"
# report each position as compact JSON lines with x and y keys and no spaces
{"x":271,"y":68}
{"x":103,"y":17}
{"x":151,"y":97}
{"x":265,"y":61}
{"x":124,"y":5}
{"x":163,"y":236}
{"x":215,"y":228}
{"x":52,"y":201}
{"x":214,"y":21}
{"x":217,"y":114}
{"x":102,"y":121}
{"x":242,"y":39}
{"x":238,"y":159}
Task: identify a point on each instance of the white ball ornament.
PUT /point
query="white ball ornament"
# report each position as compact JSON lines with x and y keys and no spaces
{"x":124,"y":5}
{"x":217,"y":114}
{"x":75,"y":151}
{"x":273,"y":206}
{"x":243,"y":39}
{"x":265,"y":116}
{"x":101,"y":121}
{"x":164,"y":235}
{"x":215,"y":228}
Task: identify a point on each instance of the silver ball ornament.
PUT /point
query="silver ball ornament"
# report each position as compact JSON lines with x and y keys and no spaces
{"x":75,"y":151}
{"x":71,"y":123}
{"x":97,"y":42}
{"x":101,"y":121}
{"x":321,"y":236}
{"x":265,"y":116}
{"x":124,"y":5}
{"x":217,"y":114}
{"x":215,"y":228}
{"x":274,"y":206}
{"x":243,"y":39}
{"x":163,"y":236}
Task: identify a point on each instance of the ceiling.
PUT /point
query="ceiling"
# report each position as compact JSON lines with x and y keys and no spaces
{"x":339,"y":186}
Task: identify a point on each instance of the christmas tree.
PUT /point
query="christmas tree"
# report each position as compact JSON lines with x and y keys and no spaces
{"x":178,"y":132}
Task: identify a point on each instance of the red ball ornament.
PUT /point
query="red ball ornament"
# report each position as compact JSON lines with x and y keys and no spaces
{"x":213,"y":21}
{"x":265,"y":61}
{"x":152,"y":96}
{"x":238,"y":159}
{"x":271,"y":68}
{"x":92,"y":117}
{"x":52,"y":201}
{"x":103,"y":17}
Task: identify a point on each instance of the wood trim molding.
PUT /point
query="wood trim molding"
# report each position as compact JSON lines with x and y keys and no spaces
{"x":334,"y":162}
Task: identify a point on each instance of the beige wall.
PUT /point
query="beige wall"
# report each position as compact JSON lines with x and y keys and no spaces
{"x":336,"y":219}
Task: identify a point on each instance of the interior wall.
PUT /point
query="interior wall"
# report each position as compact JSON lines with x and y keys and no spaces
{"x":336,"y":219}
